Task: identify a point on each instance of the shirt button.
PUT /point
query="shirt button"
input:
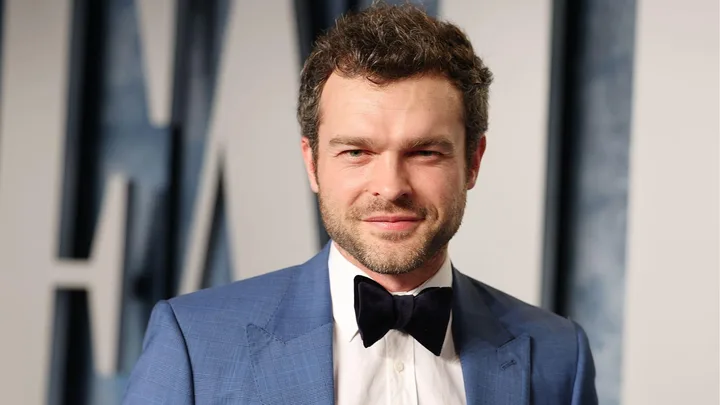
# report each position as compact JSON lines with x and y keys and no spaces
{"x":399,"y":366}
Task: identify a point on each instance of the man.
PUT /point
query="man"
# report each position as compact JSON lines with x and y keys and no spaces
{"x":393,"y":108}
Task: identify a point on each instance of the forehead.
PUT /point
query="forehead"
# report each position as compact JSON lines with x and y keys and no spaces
{"x":409,"y":107}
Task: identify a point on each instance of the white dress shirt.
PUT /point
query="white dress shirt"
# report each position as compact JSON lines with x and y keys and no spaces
{"x":395,"y":370}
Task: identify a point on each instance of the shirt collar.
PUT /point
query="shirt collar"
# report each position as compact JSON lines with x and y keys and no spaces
{"x":342,"y":289}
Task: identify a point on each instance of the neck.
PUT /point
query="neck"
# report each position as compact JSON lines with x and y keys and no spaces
{"x":402,"y":282}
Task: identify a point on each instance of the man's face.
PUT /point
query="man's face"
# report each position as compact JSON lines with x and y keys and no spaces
{"x":390,"y":172}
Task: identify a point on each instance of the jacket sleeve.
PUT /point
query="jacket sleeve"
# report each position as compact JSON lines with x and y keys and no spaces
{"x":584,"y":392}
{"x":163,"y":373}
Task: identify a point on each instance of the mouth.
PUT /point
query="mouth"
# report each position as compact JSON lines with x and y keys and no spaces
{"x":393,"y":222}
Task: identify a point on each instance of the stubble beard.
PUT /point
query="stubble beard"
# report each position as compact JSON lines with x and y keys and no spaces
{"x":409,"y":250}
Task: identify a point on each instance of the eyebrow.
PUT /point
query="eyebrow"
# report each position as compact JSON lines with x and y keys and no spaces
{"x":441,"y":142}
{"x":356,"y":141}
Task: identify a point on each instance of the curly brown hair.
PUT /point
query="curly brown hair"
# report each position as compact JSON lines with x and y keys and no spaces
{"x":385,"y":44}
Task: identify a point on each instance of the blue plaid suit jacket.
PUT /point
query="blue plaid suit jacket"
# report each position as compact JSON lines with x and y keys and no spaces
{"x":268,"y":340}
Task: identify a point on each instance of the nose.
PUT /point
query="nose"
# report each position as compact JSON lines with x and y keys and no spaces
{"x":389,"y":179}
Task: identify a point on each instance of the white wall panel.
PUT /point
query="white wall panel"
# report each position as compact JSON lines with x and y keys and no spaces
{"x":500,"y":242}
{"x":671,"y":319}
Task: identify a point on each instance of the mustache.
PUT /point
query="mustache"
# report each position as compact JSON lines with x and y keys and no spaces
{"x":400,"y":206}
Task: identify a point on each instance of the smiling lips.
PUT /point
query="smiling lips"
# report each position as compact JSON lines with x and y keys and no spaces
{"x":393,"y":222}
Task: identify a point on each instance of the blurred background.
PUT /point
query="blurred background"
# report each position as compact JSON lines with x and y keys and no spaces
{"x":149,"y":148}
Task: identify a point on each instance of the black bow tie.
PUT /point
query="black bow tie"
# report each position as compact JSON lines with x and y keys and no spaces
{"x":425,"y":317}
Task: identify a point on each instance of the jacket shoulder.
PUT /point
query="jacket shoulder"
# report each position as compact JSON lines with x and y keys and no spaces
{"x":250,"y":300}
{"x":520,"y":317}
{"x":563,"y":365}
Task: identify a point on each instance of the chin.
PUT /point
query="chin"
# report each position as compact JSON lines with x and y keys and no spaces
{"x":395,"y":246}
{"x":393,"y":272}
{"x":394,"y":242}
{"x":395,"y":237}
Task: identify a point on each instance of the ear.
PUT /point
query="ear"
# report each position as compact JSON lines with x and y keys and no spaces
{"x":475,"y":163}
{"x":309,"y":163}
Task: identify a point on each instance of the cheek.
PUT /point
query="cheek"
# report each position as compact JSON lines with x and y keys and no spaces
{"x":340,"y":187}
{"x":446,"y":174}
{"x":436,"y":193}
{"x":439,"y":190}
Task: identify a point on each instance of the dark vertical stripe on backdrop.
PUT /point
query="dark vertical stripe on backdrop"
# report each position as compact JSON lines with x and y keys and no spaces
{"x":71,"y":359}
{"x":590,"y":115}
{"x":203,"y":36}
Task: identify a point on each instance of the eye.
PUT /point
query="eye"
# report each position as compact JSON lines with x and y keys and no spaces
{"x":426,"y":153}
{"x":354,"y":153}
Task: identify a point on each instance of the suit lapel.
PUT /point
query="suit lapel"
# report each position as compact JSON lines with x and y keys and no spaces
{"x":299,"y":371}
{"x":291,"y":355}
{"x":495,"y":364}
